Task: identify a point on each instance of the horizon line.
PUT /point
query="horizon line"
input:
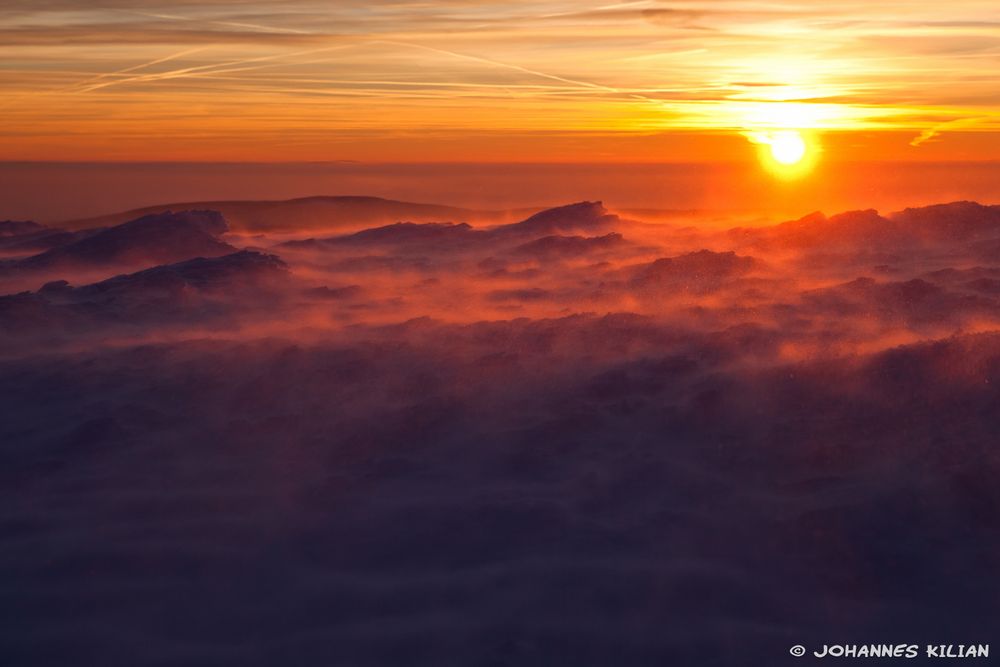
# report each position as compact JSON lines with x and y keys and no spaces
{"x":346,"y":163}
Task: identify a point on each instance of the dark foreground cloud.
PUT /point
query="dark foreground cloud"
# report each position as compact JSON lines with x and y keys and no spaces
{"x":575,"y":440}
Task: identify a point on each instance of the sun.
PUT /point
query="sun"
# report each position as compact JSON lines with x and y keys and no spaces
{"x":788,"y":147}
{"x":787,"y":154}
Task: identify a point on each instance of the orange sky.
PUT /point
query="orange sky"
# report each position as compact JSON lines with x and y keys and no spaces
{"x":481,"y":80}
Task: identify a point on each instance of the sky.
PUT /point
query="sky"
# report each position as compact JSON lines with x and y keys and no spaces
{"x":480,"y":80}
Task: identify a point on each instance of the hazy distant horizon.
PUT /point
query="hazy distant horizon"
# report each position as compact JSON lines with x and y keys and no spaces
{"x":88,"y":189}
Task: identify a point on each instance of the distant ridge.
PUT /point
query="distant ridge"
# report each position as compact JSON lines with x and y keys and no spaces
{"x":348,"y":213}
{"x":151,"y":239}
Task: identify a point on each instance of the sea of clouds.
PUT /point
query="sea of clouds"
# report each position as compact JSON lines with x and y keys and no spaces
{"x":576,"y":439}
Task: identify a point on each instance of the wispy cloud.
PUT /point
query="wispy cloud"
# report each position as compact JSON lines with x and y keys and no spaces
{"x":489,"y":66}
{"x":933,"y":132}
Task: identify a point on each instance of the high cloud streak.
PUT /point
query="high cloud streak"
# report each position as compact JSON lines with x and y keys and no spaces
{"x":358,"y":79}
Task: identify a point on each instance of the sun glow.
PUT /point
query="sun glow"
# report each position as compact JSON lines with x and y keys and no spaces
{"x":788,"y":147}
{"x":787,"y":154}
{"x":786,"y":135}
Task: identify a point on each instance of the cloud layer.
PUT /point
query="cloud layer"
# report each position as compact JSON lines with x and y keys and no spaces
{"x":578,"y":438}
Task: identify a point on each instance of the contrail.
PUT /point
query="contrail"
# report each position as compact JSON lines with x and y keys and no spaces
{"x":603,"y":8}
{"x":134,"y":68}
{"x":73,"y":87}
{"x":179,"y":73}
{"x":232,"y":24}
{"x":235,"y":66}
{"x":518,"y":68}
{"x":383,"y":82}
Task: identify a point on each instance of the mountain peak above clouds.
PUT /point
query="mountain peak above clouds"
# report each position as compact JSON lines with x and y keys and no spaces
{"x":153,"y":239}
{"x":332,"y":214}
{"x":245,"y":267}
{"x":701,"y":270}
{"x":242,"y":268}
{"x":19,"y":228}
{"x":407,"y":232}
{"x":960,"y":220}
{"x":568,"y":246}
{"x":940,"y":223}
{"x":581,"y":216}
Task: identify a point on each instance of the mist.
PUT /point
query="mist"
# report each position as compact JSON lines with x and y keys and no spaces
{"x":578,"y":437}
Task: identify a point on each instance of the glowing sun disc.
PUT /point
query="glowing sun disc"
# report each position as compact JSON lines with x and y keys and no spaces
{"x":788,"y":148}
